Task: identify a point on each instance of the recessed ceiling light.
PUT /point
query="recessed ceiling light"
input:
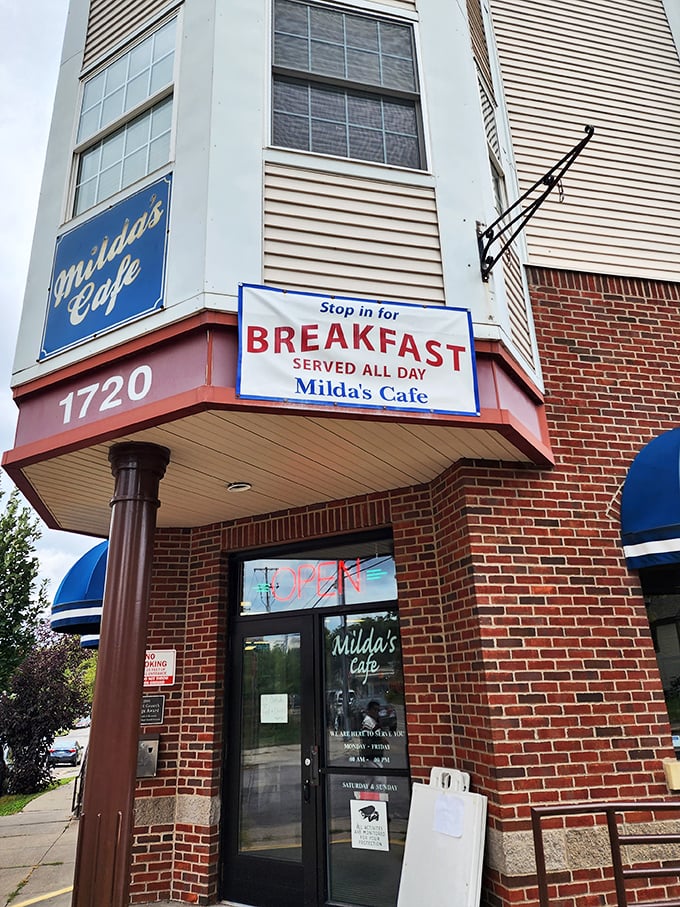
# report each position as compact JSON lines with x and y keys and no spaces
{"x":238,"y":486}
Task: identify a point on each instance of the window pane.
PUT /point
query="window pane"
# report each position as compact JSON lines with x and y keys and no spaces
{"x":93,"y":90}
{"x":396,"y":39}
{"x":112,"y":107}
{"x":363,"y":67}
{"x":329,"y":138}
{"x":290,"y":131}
{"x":365,"y":111}
{"x":362,"y":33}
{"x":328,"y":59}
{"x":327,"y":25}
{"x":349,"y":878}
{"x":398,"y":74}
{"x":291,"y":17}
{"x":112,"y":149}
{"x":292,"y":52}
{"x":400,"y":117}
{"x":161,"y":118}
{"x":135,"y":167}
{"x":270,"y":807}
{"x":352,"y":684}
{"x":402,"y":151}
{"x":291,"y":97}
{"x":86,"y":196}
{"x":164,"y":40}
{"x":109,"y":181}
{"x":89,"y":123}
{"x":140,"y":58}
{"x":161,"y":74}
{"x":137,"y":134}
{"x":116,"y":74}
{"x":366,"y":144}
{"x":137,"y":90}
{"x":90,"y":164}
{"x":328,"y":104}
{"x":159,"y":152}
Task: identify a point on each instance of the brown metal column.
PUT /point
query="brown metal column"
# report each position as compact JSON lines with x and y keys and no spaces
{"x":102,"y":872}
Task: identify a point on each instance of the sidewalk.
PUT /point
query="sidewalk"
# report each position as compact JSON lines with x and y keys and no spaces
{"x":38,"y":851}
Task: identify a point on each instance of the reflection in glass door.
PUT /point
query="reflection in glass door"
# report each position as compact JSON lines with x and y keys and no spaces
{"x":269,"y":805}
{"x":366,"y":761}
{"x":269,"y":809}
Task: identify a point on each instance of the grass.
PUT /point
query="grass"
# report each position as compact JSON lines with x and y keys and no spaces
{"x":14,"y":803}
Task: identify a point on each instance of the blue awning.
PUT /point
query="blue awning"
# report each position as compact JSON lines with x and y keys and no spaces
{"x":650,"y":504}
{"x":77,"y":606}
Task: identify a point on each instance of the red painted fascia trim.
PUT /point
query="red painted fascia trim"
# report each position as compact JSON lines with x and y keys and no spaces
{"x":180,"y":328}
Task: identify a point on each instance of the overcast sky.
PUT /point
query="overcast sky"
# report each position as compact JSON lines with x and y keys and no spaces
{"x":31,"y":33}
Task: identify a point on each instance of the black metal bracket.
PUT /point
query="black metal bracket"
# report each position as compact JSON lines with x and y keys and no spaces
{"x":487,"y":236}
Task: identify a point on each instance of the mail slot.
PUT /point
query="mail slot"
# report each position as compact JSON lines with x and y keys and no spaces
{"x":147,"y":756}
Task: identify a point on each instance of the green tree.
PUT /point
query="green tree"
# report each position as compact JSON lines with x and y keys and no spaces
{"x":22,"y":598}
{"x":46,"y":693}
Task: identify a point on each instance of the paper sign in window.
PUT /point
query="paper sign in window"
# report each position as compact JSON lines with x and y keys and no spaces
{"x":274,"y":708}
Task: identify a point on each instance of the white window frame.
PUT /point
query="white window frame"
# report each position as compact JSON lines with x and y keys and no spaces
{"x":152,"y":101}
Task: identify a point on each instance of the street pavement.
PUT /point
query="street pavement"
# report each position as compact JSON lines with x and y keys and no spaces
{"x":38,"y":850}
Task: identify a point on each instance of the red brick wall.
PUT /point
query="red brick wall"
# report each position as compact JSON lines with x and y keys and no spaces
{"x":576,"y":707}
{"x":528,"y":659}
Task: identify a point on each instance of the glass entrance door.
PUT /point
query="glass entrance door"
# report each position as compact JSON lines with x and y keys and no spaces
{"x":270,"y":803}
{"x":367,"y":789}
{"x":317,"y":787}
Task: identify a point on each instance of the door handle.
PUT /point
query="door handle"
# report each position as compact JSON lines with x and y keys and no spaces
{"x":314,"y":766}
{"x":311,"y":771}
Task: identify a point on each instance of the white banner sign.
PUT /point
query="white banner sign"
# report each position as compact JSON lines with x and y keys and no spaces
{"x":330,"y":350}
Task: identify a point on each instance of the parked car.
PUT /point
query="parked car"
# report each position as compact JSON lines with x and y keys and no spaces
{"x":85,"y":721}
{"x":66,"y":750}
{"x":387,"y":714}
{"x":335,"y":710}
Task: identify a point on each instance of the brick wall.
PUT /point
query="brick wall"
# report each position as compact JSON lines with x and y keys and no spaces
{"x":575,"y":703}
{"x":527,"y":655}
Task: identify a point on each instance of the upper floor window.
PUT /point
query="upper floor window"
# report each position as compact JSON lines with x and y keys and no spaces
{"x":345,"y":84}
{"x":125,"y":119}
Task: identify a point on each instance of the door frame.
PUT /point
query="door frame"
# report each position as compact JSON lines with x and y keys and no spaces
{"x":234,"y":881}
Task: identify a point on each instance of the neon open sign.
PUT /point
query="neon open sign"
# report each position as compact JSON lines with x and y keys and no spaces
{"x":318,"y":579}
{"x":282,"y":584}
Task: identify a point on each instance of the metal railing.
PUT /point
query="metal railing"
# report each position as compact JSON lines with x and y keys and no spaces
{"x":617,"y":840}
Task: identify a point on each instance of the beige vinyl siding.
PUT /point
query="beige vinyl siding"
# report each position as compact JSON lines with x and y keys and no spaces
{"x":568,"y":63}
{"x":111,"y":21}
{"x":338,"y":234}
